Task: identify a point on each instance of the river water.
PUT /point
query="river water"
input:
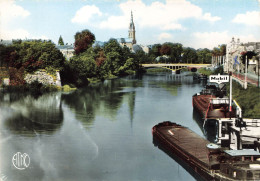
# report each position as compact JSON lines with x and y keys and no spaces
{"x":102,"y":132}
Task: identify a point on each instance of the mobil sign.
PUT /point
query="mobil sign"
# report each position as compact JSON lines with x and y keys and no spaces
{"x":219,"y":78}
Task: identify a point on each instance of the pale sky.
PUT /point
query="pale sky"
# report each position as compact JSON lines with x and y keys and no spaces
{"x":194,"y":23}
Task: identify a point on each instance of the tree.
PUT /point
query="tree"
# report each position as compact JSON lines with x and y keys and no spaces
{"x":82,"y":67}
{"x":165,"y":50}
{"x":204,"y":55}
{"x":60,"y":42}
{"x":189,"y":55}
{"x":83,"y":40}
{"x":155,"y":50}
{"x":32,"y":55}
{"x":176,"y":52}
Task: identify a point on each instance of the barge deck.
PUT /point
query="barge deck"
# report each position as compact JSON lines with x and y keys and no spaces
{"x":187,"y":145}
{"x":207,"y":160}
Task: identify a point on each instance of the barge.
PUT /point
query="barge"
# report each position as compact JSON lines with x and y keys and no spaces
{"x":207,"y":160}
{"x":212,"y":103}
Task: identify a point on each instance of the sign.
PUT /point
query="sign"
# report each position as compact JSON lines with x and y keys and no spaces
{"x":219,"y":78}
{"x":21,"y":161}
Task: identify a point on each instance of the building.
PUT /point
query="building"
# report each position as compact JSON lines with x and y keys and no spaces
{"x":66,"y":50}
{"x":131,"y":40}
{"x":235,"y":50}
{"x":238,"y":55}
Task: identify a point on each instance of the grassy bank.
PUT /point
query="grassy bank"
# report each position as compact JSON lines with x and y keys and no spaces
{"x":248,"y":99}
{"x":209,"y":72}
{"x":157,"y":70}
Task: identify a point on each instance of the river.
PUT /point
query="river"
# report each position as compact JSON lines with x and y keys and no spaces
{"x":101,"y":132}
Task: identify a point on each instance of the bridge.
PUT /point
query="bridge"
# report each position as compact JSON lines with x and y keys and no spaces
{"x":175,"y":66}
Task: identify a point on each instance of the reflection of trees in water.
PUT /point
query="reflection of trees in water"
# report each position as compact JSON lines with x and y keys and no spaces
{"x":41,"y":115}
{"x":209,"y":129}
{"x":25,"y":126}
{"x":101,"y":99}
{"x":131,"y":105}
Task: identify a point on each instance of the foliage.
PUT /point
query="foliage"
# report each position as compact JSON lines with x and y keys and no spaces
{"x":51,"y":71}
{"x":16,"y":76}
{"x":204,"y":56}
{"x":205,"y":71}
{"x":31,"y":55}
{"x":189,"y":55}
{"x":81,"y":68}
{"x":158,"y":70}
{"x":248,"y":55}
{"x":165,"y":49}
{"x":67,"y":88}
{"x":60,"y":41}
{"x":219,"y":70}
{"x":248,"y":99}
{"x":83,"y":40}
{"x":220,"y":51}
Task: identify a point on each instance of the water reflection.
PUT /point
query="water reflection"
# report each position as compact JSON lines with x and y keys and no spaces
{"x":101,"y":132}
{"x":209,"y":129}
{"x":175,"y":157}
{"x":102,"y":99}
{"x":32,"y":116}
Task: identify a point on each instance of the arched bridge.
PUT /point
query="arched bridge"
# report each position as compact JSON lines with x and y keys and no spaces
{"x":175,"y":66}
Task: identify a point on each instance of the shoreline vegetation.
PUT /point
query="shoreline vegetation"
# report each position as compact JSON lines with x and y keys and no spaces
{"x":248,"y":99}
{"x":91,"y":60}
{"x":92,"y":63}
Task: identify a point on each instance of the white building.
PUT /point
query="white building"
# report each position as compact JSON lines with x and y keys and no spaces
{"x":234,"y":51}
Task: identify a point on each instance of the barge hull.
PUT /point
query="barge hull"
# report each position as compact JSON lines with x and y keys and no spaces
{"x":186,"y":145}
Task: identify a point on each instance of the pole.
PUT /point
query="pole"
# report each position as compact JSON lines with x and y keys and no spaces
{"x":230,"y":93}
{"x":258,"y":73}
{"x":246,"y":74}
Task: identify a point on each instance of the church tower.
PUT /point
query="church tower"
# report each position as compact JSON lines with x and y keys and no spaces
{"x":131,"y":31}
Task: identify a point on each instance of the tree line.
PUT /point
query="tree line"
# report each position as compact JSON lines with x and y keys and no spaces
{"x":175,"y":53}
{"x":91,"y":61}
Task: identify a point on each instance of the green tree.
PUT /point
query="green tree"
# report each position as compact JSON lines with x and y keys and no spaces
{"x":32,"y":55}
{"x":114,"y":57}
{"x":176,"y":52}
{"x":60,"y":42}
{"x":82,"y":67}
{"x":189,"y":55}
{"x":204,"y":55}
{"x":155,"y":50}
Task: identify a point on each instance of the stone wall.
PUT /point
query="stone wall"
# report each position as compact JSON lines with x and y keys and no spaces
{"x":43,"y":77}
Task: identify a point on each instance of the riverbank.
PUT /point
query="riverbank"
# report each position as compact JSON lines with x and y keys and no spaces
{"x":36,"y":88}
{"x":248,"y":99}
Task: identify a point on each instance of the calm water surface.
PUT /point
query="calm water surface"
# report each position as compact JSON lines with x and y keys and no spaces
{"x":102,"y":132}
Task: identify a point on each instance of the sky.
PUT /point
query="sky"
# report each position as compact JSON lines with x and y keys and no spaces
{"x":193,"y":23}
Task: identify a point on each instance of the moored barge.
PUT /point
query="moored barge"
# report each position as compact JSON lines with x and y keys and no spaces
{"x":212,"y":103}
{"x":208,"y":160}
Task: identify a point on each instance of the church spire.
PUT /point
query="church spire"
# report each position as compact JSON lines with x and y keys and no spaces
{"x":131,"y":31}
{"x":132,"y":21}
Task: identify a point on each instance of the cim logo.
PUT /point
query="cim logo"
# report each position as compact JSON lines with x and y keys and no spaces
{"x":219,"y":78}
{"x":21,"y":161}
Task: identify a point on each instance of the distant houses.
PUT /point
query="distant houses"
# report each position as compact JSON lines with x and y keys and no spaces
{"x":234,"y":57}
